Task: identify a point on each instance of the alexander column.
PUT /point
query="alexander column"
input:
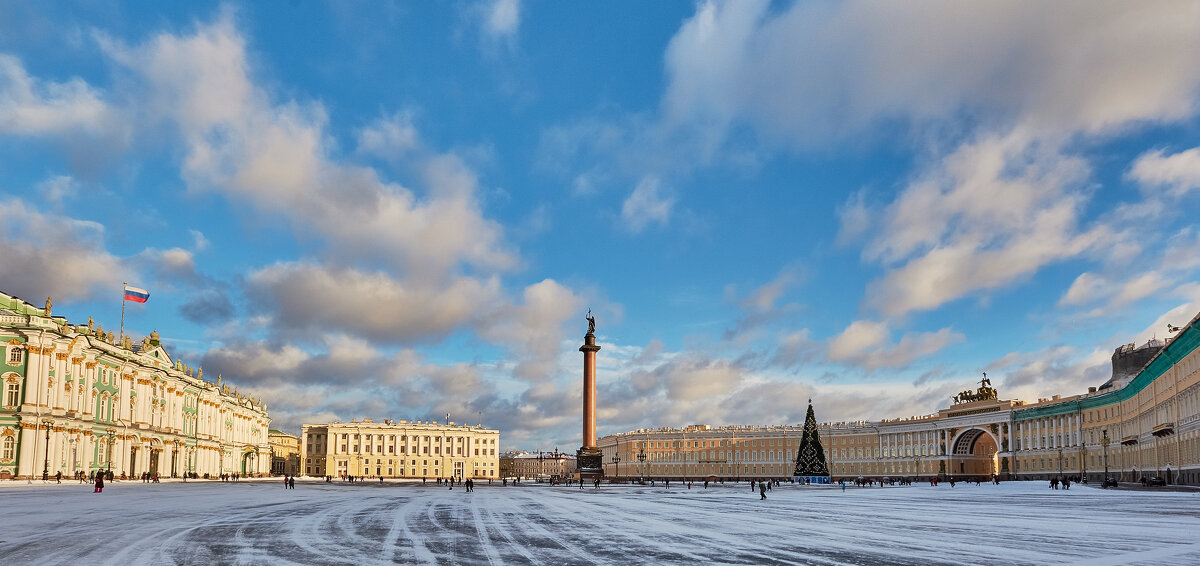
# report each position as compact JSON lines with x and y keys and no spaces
{"x":589,"y":458}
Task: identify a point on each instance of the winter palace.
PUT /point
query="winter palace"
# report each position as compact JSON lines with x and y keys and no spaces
{"x":1143,"y":424}
{"x":78,"y":400}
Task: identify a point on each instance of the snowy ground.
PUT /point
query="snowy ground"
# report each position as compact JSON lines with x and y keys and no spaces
{"x":262,"y":523}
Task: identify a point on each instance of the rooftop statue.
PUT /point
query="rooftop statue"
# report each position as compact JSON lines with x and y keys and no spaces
{"x":49,"y":305}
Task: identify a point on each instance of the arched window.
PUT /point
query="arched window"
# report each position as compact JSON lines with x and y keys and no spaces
{"x":16,"y":355}
{"x":9,"y":451}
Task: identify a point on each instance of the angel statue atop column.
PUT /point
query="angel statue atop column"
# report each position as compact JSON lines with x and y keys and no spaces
{"x":591,"y":322}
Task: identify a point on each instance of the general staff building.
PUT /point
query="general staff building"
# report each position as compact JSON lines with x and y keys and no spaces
{"x":1142,"y":424}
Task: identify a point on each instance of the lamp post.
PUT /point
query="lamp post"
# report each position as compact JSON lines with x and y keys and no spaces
{"x":617,"y":460}
{"x":46,"y":461}
{"x":111,"y":440}
{"x":74,"y":456}
{"x":642,"y":461}
{"x":1083,"y":462}
{"x":1104,"y":444}
{"x":1060,"y":457}
{"x":917,"y":461}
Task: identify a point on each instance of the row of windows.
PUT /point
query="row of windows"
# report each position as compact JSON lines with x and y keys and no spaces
{"x":392,"y":438}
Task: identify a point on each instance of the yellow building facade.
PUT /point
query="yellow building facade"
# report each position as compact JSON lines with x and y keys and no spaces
{"x":285,"y":453}
{"x":1142,"y":425}
{"x":400,"y":449}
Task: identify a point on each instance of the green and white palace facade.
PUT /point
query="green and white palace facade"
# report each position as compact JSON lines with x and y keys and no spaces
{"x":1143,"y":423}
{"x":75,"y":400}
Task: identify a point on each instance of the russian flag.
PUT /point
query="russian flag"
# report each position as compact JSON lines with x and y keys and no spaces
{"x":136,"y":295}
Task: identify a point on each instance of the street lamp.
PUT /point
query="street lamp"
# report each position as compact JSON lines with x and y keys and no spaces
{"x":46,"y":462}
{"x":1104,"y":444}
{"x":1060,"y":458}
{"x":642,"y":461}
{"x":111,"y":440}
{"x":617,"y":460}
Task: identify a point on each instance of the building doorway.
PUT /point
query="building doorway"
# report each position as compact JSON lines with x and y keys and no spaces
{"x":974,"y":454}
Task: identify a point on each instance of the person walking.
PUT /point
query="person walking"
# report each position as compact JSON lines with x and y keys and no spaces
{"x":762,"y":491}
{"x":99,"y":484}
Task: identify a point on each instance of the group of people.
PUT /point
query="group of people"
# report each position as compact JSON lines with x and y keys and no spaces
{"x":1064,"y":482}
{"x":289,"y":482}
{"x":468,"y":484}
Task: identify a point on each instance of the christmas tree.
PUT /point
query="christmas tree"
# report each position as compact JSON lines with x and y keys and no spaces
{"x":810,"y":458}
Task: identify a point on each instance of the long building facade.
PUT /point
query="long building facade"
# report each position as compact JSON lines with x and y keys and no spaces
{"x":76,"y":400}
{"x":400,"y":449}
{"x":538,"y":465}
{"x":1143,"y":423}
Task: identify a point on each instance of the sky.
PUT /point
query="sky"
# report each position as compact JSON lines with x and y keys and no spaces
{"x":402,"y":210}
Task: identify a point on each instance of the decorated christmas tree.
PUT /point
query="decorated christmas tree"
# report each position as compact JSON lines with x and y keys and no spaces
{"x":810,"y":458}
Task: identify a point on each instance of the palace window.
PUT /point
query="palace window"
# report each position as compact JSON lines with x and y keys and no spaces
{"x":15,"y":355}
{"x":12,"y":394}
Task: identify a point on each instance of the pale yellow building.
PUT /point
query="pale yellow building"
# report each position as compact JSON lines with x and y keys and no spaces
{"x":1144,"y":423}
{"x":400,"y":449}
{"x":285,"y":453}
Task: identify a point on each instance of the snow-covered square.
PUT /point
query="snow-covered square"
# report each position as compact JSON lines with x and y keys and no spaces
{"x":260,"y":522}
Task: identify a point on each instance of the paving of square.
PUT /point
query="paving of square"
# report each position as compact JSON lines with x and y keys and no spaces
{"x":259,"y":522}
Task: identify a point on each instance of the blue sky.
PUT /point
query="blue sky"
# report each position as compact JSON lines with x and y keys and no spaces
{"x":401,"y":210}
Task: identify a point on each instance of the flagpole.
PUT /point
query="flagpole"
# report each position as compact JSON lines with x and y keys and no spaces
{"x":123,"y":285}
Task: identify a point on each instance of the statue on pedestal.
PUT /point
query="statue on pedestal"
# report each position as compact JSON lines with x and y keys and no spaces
{"x":591,"y":322}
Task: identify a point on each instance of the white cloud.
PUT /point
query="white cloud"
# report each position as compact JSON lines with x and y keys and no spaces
{"x":990,"y":214}
{"x":861,"y":336}
{"x":809,"y":72}
{"x":1055,"y":370}
{"x":854,"y":219}
{"x":1085,"y":289}
{"x":502,"y":18}
{"x":1140,"y":287}
{"x":646,"y":205}
{"x":1179,"y":173}
{"x":32,"y":107}
{"x":55,"y":255}
{"x":534,"y":329}
{"x":760,"y":306}
{"x":865,"y":343}
{"x":390,"y":137}
{"x":307,"y":296}
{"x":199,"y":242}
{"x":58,"y":188}
{"x":279,"y":157}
